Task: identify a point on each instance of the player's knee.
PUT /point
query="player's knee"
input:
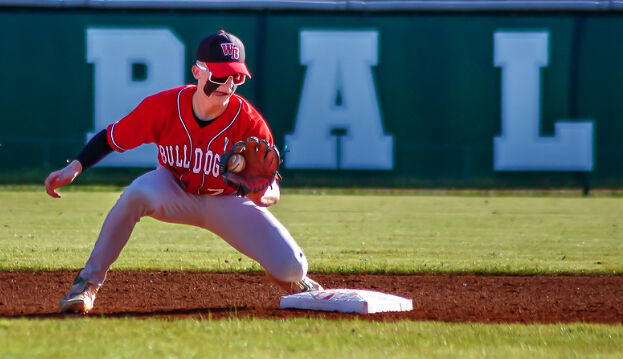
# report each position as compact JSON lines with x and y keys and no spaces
{"x":137,"y":194}
{"x":289,"y":269}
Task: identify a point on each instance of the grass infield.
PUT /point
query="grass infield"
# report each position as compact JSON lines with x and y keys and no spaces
{"x":339,"y":233}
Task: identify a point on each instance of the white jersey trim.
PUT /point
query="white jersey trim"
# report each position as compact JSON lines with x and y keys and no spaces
{"x":112,"y":137}
{"x":190,"y":140}
{"x":203,"y":176}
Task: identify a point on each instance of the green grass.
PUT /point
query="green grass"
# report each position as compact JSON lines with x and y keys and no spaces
{"x":339,"y":233}
{"x":342,"y":231}
{"x":254,"y":338}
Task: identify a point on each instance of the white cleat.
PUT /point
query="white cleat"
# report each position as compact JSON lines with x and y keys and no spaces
{"x":306,"y":285}
{"x":81,"y":296}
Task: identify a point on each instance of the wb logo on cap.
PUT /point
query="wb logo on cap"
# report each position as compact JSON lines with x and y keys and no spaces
{"x":230,"y":50}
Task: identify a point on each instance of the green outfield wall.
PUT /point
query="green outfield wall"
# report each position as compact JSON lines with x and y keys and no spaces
{"x":435,"y":99}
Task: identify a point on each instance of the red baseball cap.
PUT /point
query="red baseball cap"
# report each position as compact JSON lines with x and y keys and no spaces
{"x":223,"y":54}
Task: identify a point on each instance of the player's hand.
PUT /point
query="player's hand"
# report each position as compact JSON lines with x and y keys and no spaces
{"x":62,"y":178}
{"x":258,"y":169}
{"x":268,"y":197}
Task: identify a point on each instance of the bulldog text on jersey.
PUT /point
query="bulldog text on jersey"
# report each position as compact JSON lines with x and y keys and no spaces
{"x":191,"y":152}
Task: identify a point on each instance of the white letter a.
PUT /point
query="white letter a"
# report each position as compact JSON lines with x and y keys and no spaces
{"x":338,"y":124}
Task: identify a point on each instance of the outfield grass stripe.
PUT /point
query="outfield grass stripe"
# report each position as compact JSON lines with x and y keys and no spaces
{"x":339,"y":233}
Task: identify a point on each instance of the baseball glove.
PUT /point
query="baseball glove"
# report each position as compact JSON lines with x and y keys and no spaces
{"x":261,"y":162}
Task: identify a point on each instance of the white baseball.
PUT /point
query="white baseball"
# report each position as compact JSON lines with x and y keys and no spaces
{"x":235,"y":163}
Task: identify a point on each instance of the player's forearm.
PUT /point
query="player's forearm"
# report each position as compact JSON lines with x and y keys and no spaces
{"x":74,"y":167}
{"x":267,"y":197}
{"x":62,"y":177}
{"x":271,"y":195}
{"x":273,"y":190}
{"x":97,"y":148}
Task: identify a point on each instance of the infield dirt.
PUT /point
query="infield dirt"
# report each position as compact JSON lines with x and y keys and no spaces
{"x":453,"y":298}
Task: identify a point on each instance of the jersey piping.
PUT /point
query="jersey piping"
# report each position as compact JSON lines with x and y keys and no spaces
{"x":179,"y":115}
{"x":112,"y":137}
{"x":216,"y":136}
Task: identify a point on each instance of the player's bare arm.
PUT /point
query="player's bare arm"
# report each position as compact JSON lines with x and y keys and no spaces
{"x":268,"y":197}
{"x":62,"y":178}
{"x":95,"y":150}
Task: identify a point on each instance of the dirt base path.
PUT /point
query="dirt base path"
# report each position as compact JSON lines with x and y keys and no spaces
{"x":453,"y":298}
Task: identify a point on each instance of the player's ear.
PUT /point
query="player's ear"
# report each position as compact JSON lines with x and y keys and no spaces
{"x":196,"y":72}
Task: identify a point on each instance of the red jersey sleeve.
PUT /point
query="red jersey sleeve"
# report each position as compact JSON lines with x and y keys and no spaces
{"x":137,"y":128}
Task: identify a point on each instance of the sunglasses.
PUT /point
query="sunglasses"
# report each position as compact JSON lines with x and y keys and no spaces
{"x":237,"y":78}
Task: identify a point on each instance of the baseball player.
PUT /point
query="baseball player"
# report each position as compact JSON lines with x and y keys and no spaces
{"x":191,"y":126}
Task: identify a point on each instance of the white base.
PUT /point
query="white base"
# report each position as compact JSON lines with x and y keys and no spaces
{"x":347,"y":301}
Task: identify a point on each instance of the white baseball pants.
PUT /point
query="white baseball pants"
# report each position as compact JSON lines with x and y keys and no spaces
{"x":250,"y":229}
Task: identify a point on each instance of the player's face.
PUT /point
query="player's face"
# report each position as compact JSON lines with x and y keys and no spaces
{"x":237,"y":78}
{"x":222,"y":92}
{"x":218,"y":89}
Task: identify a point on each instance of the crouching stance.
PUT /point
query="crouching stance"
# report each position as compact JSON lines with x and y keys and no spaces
{"x":193,"y":127}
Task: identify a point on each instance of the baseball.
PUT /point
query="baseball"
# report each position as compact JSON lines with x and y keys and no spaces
{"x":235,"y":163}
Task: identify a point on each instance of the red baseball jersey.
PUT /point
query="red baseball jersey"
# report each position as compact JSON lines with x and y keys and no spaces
{"x":190,"y":152}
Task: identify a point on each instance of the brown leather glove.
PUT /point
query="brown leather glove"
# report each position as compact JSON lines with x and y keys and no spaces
{"x":261,"y":162}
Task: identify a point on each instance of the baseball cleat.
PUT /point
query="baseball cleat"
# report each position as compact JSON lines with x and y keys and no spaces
{"x":81,"y":296}
{"x":306,"y":285}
